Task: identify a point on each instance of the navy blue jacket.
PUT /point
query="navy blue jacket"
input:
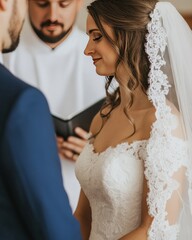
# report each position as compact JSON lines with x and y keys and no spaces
{"x":33,"y":203}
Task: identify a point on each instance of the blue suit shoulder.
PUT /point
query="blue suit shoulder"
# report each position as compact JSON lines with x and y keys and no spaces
{"x":10,"y":84}
{"x":11,"y":89}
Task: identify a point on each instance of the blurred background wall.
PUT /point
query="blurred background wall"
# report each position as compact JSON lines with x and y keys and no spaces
{"x":183,"y":6}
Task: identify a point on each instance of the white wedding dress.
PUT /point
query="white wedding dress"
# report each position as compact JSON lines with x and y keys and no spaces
{"x":113,"y":180}
{"x":113,"y":184}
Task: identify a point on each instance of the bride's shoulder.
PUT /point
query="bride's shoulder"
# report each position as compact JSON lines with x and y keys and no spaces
{"x":149,"y":115}
{"x":174,"y":108}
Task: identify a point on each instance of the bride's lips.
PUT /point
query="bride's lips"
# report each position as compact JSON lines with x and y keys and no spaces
{"x":95,"y":60}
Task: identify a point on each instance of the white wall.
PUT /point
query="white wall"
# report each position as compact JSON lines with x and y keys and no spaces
{"x":184,"y":6}
{"x":81,"y":20}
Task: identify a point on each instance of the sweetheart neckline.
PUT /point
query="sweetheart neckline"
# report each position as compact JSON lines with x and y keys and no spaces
{"x":126,"y":144}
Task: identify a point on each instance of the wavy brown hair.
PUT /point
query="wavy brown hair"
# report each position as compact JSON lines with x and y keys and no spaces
{"x":128,"y":20}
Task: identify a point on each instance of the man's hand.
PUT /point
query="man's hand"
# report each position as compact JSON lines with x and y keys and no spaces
{"x":71,"y":148}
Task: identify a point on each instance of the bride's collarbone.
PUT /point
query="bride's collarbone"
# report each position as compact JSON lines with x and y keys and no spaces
{"x":104,"y":139}
{"x":118,"y":128}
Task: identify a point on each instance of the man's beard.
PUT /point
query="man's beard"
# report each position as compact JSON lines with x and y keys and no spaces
{"x":50,"y":39}
{"x":14,"y":30}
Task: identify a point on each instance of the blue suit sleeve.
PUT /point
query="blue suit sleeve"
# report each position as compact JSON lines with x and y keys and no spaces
{"x":32,"y":171}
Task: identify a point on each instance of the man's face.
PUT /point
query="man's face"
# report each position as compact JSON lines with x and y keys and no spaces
{"x":52,"y":20}
{"x":15,"y":25}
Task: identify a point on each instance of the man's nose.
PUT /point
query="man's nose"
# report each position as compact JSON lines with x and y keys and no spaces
{"x":53,"y":11}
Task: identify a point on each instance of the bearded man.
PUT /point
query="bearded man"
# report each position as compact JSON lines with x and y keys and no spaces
{"x":50,"y":57}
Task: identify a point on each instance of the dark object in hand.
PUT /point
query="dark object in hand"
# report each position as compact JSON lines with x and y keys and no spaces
{"x":65,"y":127}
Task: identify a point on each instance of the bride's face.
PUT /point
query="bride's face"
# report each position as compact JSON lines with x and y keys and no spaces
{"x":100,"y":49}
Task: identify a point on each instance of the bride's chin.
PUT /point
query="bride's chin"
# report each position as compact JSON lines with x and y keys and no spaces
{"x":103,"y":73}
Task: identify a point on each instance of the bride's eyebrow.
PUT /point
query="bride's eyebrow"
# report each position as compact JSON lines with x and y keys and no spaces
{"x":92,"y":30}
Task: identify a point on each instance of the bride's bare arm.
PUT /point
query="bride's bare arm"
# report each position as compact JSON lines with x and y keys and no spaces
{"x":83,"y":215}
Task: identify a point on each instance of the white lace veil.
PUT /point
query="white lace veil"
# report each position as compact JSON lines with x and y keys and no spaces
{"x":169,"y":160}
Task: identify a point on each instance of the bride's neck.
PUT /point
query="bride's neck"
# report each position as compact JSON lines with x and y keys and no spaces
{"x":140,"y":99}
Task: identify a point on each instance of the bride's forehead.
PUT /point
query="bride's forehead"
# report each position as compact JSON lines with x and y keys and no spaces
{"x":91,"y":24}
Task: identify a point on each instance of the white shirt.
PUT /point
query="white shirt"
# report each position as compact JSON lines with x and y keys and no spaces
{"x":65,"y":75}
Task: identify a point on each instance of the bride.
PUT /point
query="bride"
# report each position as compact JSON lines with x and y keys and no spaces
{"x":136,"y":169}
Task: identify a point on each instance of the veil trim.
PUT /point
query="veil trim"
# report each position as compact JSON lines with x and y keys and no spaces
{"x":161,"y":164}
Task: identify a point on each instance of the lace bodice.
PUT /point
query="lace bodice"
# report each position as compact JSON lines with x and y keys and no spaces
{"x":113,"y":183}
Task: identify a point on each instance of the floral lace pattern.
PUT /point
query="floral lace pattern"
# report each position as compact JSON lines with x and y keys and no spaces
{"x":113,"y":183}
{"x":166,"y":154}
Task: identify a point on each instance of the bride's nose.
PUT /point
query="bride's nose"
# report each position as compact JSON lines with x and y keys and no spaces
{"x":89,"y":50}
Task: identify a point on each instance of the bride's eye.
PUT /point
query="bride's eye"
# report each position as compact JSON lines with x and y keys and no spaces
{"x":97,"y":38}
